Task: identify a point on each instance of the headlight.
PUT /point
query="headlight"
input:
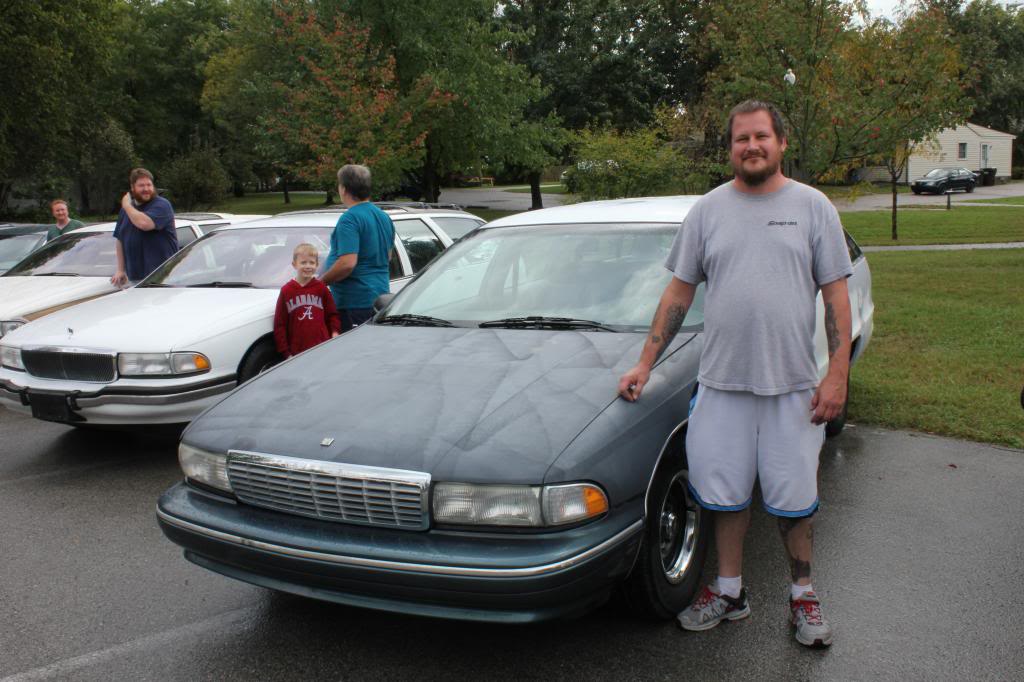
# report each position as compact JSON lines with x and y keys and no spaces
{"x":517,"y":505}
{"x":8,"y":326}
{"x":161,"y":364}
{"x":204,"y":466}
{"x":10,"y":357}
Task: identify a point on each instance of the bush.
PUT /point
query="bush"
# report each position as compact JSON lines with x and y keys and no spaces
{"x":195,"y":180}
{"x":1017,"y":172}
{"x":612,"y":165}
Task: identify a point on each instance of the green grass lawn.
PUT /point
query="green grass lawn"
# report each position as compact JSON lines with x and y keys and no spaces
{"x":961,"y":225}
{"x":946,"y":355}
{"x":556,"y":188}
{"x":1016,"y":201}
{"x":270,"y":203}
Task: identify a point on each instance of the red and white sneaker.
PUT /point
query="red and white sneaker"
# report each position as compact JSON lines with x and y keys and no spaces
{"x":710,"y":608}
{"x":811,"y":627}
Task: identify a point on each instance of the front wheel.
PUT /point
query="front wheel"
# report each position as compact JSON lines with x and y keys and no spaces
{"x":970,"y":188}
{"x":675,"y":544}
{"x":261,"y":357}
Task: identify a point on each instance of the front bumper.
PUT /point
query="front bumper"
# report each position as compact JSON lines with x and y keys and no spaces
{"x":467,"y":575}
{"x":124,"y":403}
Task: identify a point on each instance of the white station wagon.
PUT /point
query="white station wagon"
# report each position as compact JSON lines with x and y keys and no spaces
{"x":202,"y":323}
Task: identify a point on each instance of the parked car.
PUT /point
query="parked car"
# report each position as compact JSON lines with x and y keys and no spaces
{"x":201,"y":324}
{"x":17,"y":241}
{"x":465,"y":454}
{"x":209,"y":221}
{"x":942,"y":180}
{"x":75,"y":267}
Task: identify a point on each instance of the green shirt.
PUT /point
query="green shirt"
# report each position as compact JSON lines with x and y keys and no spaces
{"x":55,"y":231}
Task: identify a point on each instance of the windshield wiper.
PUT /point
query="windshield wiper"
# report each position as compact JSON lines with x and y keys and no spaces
{"x":56,"y":274}
{"x":410,"y":320}
{"x":153,"y":284}
{"x":542,"y":322}
{"x":226,"y":285}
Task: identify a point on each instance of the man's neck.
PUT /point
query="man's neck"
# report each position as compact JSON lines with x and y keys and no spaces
{"x":62,"y":225}
{"x":772,"y":184}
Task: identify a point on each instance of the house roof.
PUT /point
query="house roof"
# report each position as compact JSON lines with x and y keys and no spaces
{"x":982,"y":131}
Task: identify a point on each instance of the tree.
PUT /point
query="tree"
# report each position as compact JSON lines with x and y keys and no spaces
{"x":859,"y":88}
{"x":52,"y":52}
{"x":196,"y":179}
{"x":343,"y":104}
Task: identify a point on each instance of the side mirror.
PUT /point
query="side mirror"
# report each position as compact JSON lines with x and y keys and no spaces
{"x":382,"y":302}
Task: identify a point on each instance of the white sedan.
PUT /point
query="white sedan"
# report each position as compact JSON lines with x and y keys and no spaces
{"x":73,"y":268}
{"x":164,"y":350}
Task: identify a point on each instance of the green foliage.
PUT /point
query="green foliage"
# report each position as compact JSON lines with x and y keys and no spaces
{"x":195,"y":180}
{"x":612,"y":164}
{"x":51,"y":52}
{"x":106,"y":156}
{"x":863,"y":86}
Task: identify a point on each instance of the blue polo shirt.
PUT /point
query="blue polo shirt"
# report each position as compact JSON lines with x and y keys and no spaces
{"x":368,"y":232}
{"x":145,"y":250}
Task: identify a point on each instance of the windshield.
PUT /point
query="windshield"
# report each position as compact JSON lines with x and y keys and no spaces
{"x":13,"y":249}
{"x":86,"y":254}
{"x":259,"y":257}
{"x":610,"y":274}
{"x":936,"y":172}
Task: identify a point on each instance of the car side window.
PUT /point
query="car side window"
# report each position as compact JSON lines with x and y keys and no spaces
{"x":420,"y":242}
{"x":185,"y":236}
{"x":455,"y":227}
{"x":852,"y":248}
{"x":395,"y":265}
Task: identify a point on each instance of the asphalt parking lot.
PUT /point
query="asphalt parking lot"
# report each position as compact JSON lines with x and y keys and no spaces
{"x":920,"y":564}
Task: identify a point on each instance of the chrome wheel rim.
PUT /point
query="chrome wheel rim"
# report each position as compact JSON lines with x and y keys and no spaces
{"x":678,"y":523}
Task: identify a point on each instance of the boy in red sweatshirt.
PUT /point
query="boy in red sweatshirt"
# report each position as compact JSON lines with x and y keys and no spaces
{"x":305,"y":314}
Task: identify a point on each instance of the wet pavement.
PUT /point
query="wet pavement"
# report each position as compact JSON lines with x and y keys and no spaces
{"x":920,"y":561}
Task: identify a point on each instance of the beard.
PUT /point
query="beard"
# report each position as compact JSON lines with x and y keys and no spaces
{"x":755,"y":178}
{"x":140,"y":198}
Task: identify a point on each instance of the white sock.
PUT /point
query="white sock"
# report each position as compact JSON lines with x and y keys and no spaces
{"x":730,"y":587}
{"x":797,"y":591}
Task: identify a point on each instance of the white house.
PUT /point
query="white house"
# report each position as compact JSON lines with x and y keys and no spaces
{"x":968,"y":146}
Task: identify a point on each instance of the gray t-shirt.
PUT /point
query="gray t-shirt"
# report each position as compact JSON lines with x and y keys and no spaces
{"x":764,"y":257}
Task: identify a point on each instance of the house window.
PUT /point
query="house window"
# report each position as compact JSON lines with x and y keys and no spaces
{"x":961,"y":152}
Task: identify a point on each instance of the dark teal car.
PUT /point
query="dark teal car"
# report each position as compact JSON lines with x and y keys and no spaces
{"x":465,"y":454}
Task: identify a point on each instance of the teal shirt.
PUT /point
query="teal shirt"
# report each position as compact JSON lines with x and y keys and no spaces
{"x":55,"y":231}
{"x":368,"y":232}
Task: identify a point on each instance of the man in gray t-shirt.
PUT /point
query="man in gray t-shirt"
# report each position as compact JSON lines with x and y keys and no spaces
{"x":764,"y":245}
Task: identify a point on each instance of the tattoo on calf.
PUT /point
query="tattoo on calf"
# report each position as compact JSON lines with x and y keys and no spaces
{"x":831,"y":329}
{"x":798,"y":568}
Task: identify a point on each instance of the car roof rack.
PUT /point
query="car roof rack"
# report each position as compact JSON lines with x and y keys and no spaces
{"x":384,"y":205}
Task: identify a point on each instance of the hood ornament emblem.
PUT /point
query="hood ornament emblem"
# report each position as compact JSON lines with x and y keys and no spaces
{"x":326,"y":442}
{"x":71,"y":332}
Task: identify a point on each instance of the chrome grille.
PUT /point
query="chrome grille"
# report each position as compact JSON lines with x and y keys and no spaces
{"x":70,"y":365}
{"x":346,"y":493}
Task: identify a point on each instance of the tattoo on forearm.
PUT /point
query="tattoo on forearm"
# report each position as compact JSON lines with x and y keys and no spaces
{"x":674,"y":317}
{"x":831,"y":329}
{"x":798,"y":568}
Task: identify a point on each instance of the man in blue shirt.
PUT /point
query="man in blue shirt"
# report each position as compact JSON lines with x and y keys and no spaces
{"x":357,"y":264}
{"x":144,"y":232}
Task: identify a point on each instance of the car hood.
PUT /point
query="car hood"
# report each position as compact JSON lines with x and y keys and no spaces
{"x":145,"y":320}
{"x":470,"y":405}
{"x":21,"y":296}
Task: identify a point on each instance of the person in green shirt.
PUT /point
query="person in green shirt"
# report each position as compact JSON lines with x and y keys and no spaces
{"x":65,"y":223}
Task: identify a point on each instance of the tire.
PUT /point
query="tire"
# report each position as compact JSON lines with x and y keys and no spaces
{"x":916,"y":191}
{"x":835,"y":427}
{"x":260,"y":358}
{"x":667,"y":571}
{"x":970,"y":188}
{"x":942,"y":189}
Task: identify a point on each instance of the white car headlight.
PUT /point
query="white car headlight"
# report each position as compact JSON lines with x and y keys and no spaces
{"x":161,"y":364}
{"x":487,"y":505}
{"x":204,"y":466}
{"x":517,"y":505}
{"x":10,"y":357}
{"x":8,"y":326}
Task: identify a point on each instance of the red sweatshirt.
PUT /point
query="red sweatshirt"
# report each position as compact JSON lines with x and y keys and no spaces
{"x":305,"y":316}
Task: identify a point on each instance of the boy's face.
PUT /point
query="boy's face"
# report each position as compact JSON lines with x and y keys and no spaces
{"x":305,"y":265}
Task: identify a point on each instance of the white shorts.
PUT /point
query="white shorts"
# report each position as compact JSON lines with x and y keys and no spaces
{"x":735,"y":436}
